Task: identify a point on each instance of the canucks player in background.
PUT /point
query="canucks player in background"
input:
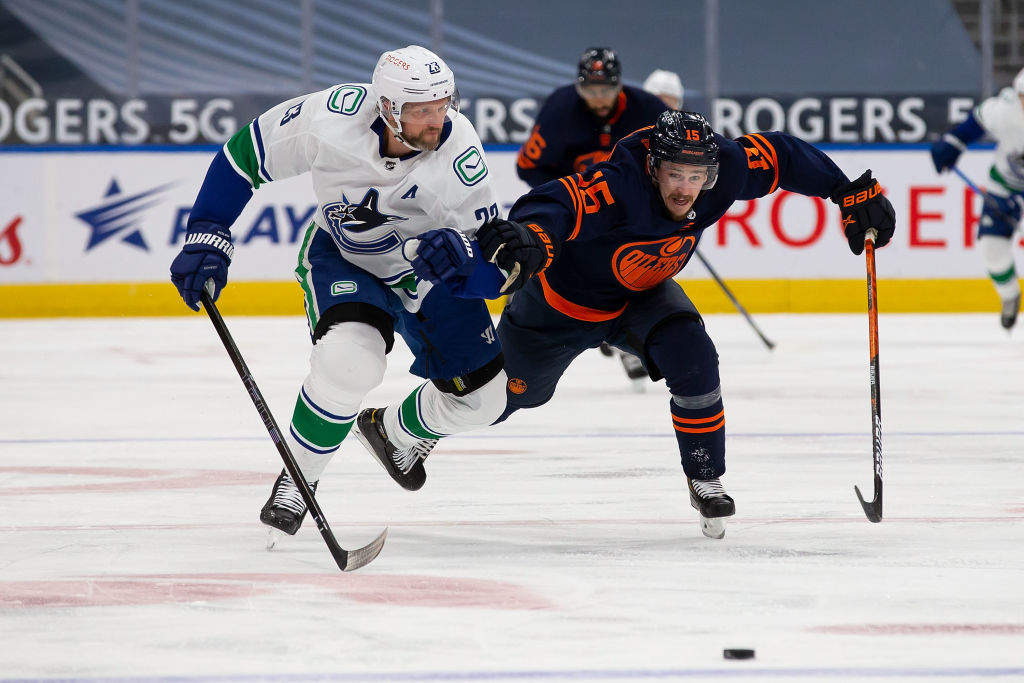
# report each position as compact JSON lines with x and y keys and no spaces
{"x":667,"y":86}
{"x":388,"y":160}
{"x":594,"y":255}
{"x":1002,"y":118}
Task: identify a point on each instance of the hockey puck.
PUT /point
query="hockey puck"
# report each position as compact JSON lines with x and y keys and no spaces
{"x":737,"y":653}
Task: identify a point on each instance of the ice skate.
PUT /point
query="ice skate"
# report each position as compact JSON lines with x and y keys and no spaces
{"x":712,"y":503}
{"x":634,"y":368}
{"x":284,"y":510}
{"x":405,"y":466}
{"x":1008,"y":316}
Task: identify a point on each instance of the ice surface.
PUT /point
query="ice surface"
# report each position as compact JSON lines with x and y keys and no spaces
{"x":559,"y":546}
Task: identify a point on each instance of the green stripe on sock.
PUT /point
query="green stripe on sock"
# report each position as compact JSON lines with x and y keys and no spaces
{"x":411,"y":419}
{"x":315,"y":429}
{"x":243,"y":153}
{"x":1004,"y":277}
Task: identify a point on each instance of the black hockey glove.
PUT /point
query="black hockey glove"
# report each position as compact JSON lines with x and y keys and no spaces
{"x":863,"y":206}
{"x":520,"y":251}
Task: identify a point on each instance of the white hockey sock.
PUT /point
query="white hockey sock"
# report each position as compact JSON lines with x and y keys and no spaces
{"x":429,"y":413}
{"x":997,"y":255}
{"x":344,"y":365}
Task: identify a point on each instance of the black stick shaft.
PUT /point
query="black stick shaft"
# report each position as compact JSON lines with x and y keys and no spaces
{"x":735,"y":302}
{"x":347,"y":560}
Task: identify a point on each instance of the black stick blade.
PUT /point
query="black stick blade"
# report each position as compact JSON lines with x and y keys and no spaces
{"x":360,"y":557}
{"x":872,"y":508}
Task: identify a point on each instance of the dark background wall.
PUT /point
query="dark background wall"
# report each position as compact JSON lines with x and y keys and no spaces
{"x":507,"y":56}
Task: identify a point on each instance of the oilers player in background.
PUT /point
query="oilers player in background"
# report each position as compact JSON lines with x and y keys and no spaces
{"x":580,"y":123}
{"x":388,"y":160}
{"x":1002,"y":118}
{"x":578,"y":126}
{"x":594,"y":255}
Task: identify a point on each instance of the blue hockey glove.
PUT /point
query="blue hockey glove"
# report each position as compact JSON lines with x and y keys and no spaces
{"x":521,"y":251}
{"x":946,"y":151}
{"x":863,"y":206}
{"x":442,"y":255}
{"x":206,"y":255}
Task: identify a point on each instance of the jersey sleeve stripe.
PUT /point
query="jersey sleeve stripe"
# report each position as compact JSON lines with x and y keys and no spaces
{"x":566,"y":307}
{"x":577,"y":204}
{"x":257,"y":135}
{"x":768,"y":152}
{"x":635,"y":132}
{"x":241,"y":154}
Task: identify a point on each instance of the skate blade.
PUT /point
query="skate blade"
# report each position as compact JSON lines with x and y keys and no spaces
{"x":273,"y":536}
{"x":713,"y":527}
{"x":369,"y":449}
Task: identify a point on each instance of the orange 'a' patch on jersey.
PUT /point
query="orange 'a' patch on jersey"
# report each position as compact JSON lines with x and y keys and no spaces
{"x":642,"y":265}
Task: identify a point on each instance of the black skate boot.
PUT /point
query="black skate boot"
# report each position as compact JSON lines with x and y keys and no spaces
{"x":285,"y":508}
{"x":405,"y":466}
{"x":712,"y":503}
{"x":635,"y":370}
{"x":1008,"y":316}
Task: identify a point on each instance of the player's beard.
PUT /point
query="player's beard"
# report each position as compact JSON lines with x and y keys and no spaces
{"x":676,"y":211}
{"x":426,"y":140}
{"x":602,"y":111}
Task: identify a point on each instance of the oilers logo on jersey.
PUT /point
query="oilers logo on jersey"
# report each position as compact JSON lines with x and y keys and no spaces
{"x":346,"y":220}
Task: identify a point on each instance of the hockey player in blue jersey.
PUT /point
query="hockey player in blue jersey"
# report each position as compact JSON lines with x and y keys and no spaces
{"x":579,"y":124}
{"x":593,"y":256}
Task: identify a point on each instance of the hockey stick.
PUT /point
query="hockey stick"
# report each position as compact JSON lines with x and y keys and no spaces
{"x":985,"y":199}
{"x":348,"y":560}
{"x":739,"y":307}
{"x":873,"y":509}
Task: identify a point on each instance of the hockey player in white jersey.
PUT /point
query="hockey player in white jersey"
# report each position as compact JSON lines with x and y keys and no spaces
{"x":1002,"y":118}
{"x":388,"y":160}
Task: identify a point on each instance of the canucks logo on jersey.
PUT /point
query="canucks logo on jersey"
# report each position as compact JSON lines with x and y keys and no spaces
{"x":347,"y":221}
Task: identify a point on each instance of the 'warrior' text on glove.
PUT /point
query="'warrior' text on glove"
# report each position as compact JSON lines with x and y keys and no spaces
{"x":205,"y":256}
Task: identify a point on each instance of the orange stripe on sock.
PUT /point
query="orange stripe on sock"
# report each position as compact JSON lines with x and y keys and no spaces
{"x":699,"y":420}
{"x":700,"y":430}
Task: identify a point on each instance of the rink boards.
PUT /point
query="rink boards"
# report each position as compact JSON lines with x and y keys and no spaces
{"x":92,"y":232}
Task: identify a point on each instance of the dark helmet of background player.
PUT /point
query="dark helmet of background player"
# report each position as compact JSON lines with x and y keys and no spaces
{"x":599,"y":66}
{"x":684,"y":137}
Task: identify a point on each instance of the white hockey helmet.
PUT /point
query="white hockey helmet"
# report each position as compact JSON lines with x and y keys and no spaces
{"x":1018,"y":82}
{"x":411,"y":74}
{"x":662,"y":82}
